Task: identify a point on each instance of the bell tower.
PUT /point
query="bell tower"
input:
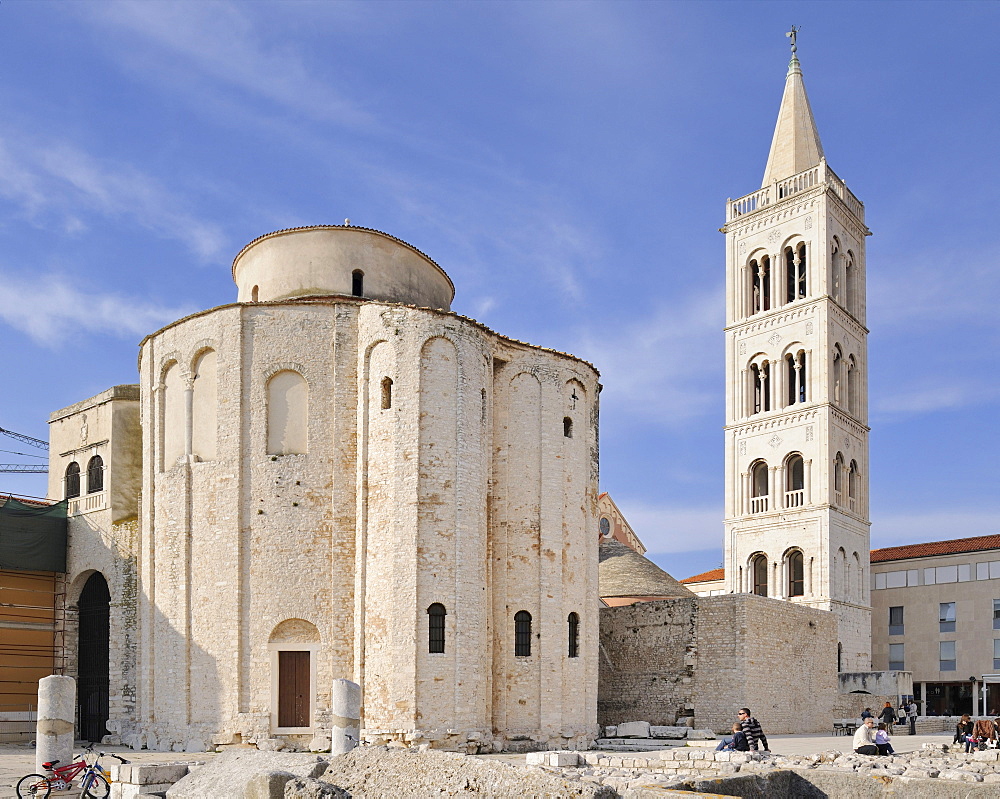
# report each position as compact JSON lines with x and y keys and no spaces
{"x":796,"y":524}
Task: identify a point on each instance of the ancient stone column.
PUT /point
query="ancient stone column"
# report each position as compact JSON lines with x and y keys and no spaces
{"x":56,"y":712}
{"x":346,"y":716}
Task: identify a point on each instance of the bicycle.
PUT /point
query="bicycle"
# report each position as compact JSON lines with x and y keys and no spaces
{"x":95,"y":782}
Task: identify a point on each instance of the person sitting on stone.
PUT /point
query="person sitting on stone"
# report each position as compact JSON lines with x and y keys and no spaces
{"x":737,"y":742}
{"x":752,"y":729}
{"x":963,"y":731}
{"x":864,"y":738}
{"x":882,"y":741}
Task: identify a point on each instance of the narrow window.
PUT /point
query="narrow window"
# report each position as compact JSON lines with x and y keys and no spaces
{"x":522,"y":634}
{"x":796,"y":377}
{"x":796,"y":575}
{"x":946,"y":617}
{"x":759,"y":568}
{"x":838,"y":479}
{"x":996,"y":614}
{"x":761,"y":387}
{"x":853,"y":486}
{"x":838,"y":367}
{"x":358,"y":283}
{"x":790,"y":275}
{"x":754,"y":287}
{"x":947,"y":656}
{"x":386,"y":393}
{"x":758,"y":488}
{"x":896,"y":657}
{"x":95,"y":475}
{"x":996,"y":654}
{"x":567,"y":427}
{"x":254,"y":293}
{"x":73,"y":480}
{"x":840,"y":657}
{"x":435,"y":628}
{"x":795,"y":476}
{"x":765,"y":283}
{"x":896,"y":620}
{"x":573,"y":625}
{"x":835,"y":276}
{"x":800,"y":272}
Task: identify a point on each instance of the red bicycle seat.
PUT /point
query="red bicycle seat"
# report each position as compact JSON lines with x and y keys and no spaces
{"x":50,"y":764}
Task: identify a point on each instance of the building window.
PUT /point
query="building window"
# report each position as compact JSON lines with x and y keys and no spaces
{"x":947,"y":656}
{"x":896,"y":620}
{"x":796,"y":377}
{"x":853,"y":486}
{"x":758,"y":567}
{"x":796,"y":479}
{"x":95,"y":475}
{"x":996,"y":614}
{"x":838,"y":479}
{"x":73,"y":480}
{"x":796,"y":576}
{"x":567,"y":427}
{"x":522,"y":634}
{"x":946,"y":617}
{"x":435,"y":628}
{"x":758,"y":488}
{"x":573,"y":626}
{"x":996,"y":654}
{"x":761,"y":376}
{"x":358,"y":283}
{"x":386,"y":393}
{"x":896,"y":657}
{"x":795,"y":272}
{"x":761,"y":285}
{"x":254,"y":294}
{"x":838,"y":368}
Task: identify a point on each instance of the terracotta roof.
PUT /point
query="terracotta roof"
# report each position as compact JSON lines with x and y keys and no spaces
{"x":623,"y":572}
{"x":704,"y":577}
{"x":953,"y":547}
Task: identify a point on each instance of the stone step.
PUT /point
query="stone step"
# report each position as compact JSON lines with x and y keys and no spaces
{"x":638,"y":744}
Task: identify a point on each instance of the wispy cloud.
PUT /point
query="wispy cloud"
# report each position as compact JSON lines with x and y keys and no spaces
{"x":50,"y":309}
{"x":49,"y":176}
{"x":905,"y":401}
{"x":896,"y":529}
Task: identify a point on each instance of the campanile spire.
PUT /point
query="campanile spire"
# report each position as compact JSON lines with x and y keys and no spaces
{"x":795,"y":146}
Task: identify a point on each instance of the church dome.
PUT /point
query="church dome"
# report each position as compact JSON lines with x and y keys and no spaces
{"x":344,"y":260}
{"x":625,"y":574}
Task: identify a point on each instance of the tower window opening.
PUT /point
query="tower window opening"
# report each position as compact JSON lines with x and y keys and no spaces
{"x":851,"y":389}
{"x":853,"y":486}
{"x":796,"y":482}
{"x":838,"y":368}
{"x":522,"y":634}
{"x":435,"y":628}
{"x":95,"y":475}
{"x":838,"y":479}
{"x":758,"y":488}
{"x":796,"y":574}
{"x":760,"y":286}
{"x":759,"y":569}
{"x":796,"y":377}
{"x":761,"y":387}
{"x":254,"y":294}
{"x":567,"y":427}
{"x":358,"y":283}
{"x":573,"y":630}
{"x":73,"y":480}
{"x":801,"y":288}
{"x":386,"y":393}
{"x":851,"y":284}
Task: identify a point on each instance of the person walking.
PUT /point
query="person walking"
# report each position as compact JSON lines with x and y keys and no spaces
{"x":888,"y":717}
{"x":864,"y":738}
{"x":752,"y":729}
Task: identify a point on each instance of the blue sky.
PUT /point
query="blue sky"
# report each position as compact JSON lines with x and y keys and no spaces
{"x":566,"y":163}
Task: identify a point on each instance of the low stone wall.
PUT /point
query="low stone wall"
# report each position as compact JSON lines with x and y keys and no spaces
{"x":849,"y":706}
{"x":131,"y":780}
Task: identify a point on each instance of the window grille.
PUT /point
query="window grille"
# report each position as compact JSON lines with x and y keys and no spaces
{"x":522,"y":634}
{"x":73,"y":480}
{"x":435,"y":628}
{"x":95,"y":475}
{"x":573,"y":624}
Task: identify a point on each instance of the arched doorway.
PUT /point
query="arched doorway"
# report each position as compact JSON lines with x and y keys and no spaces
{"x":92,"y":685}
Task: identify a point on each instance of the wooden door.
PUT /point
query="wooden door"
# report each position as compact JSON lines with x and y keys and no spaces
{"x":293,"y":689}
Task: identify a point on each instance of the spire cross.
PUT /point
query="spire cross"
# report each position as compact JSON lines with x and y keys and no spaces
{"x":791,"y":35}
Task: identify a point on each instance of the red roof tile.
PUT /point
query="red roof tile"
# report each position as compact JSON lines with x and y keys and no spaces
{"x":952,"y":547}
{"x":714,"y":574}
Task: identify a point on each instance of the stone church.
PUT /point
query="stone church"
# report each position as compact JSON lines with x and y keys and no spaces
{"x":339,"y":478}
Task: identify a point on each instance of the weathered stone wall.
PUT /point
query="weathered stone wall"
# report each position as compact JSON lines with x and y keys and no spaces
{"x":712,"y":655}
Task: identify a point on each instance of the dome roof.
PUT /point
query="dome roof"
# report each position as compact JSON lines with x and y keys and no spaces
{"x":623,"y":572}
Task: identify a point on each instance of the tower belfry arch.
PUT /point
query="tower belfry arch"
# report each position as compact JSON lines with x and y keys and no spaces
{"x":797,"y":525}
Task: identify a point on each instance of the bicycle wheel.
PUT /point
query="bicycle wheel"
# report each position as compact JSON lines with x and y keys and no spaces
{"x":95,"y":786}
{"x":33,"y":785}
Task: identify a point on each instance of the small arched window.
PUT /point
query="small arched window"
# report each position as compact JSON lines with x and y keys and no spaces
{"x":796,"y":377}
{"x":573,"y":631}
{"x":838,"y":479}
{"x":835,"y":259}
{"x":853,"y":486}
{"x":796,"y":574}
{"x":837,"y":375}
{"x":435,"y":628}
{"x":95,"y":475}
{"x":758,"y":567}
{"x":567,"y":427}
{"x":795,"y":272}
{"x":758,"y":488}
{"x":795,"y":481}
{"x":761,"y":377}
{"x":254,"y":293}
{"x":358,"y":283}
{"x":522,"y":634}
{"x":851,"y":400}
{"x":73,"y":480}
{"x":386,"y":393}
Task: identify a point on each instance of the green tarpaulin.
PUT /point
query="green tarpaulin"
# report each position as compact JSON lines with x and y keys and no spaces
{"x":32,"y":537}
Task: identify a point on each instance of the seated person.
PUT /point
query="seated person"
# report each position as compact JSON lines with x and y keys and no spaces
{"x":864,"y":739}
{"x":882,"y":741}
{"x":963,"y":731}
{"x":737,"y":742}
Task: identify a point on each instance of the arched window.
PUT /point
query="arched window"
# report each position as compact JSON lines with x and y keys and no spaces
{"x":796,"y":574}
{"x":73,"y":480}
{"x":838,"y":479}
{"x":358,"y":283}
{"x":835,"y":259}
{"x":758,"y":487}
{"x":850,"y":283}
{"x":204,"y":406}
{"x":796,"y":377}
{"x":795,"y":273}
{"x":795,"y":481}
{"x":761,"y":378}
{"x":853,"y":486}
{"x":851,"y":400}
{"x":573,"y":630}
{"x":386,"y":393}
{"x":522,"y":634}
{"x":287,"y":414}
{"x":95,"y":475}
{"x":567,"y":427}
{"x":840,"y":657}
{"x":836,"y":375}
{"x":435,"y":628}
{"x":758,"y":567}
{"x":254,"y":293}
{"x":174,"y":415}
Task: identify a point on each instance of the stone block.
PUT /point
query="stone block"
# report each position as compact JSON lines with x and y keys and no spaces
{"x":611,"y":731}
{"x":269,"y":785}
{"x":154,"y":774}
{"x":960,"y":775}
{"x":535,"y":758}
{"x":673,"y":733}
{"x":563,"y":759}
{"x":700,"y":735}
{"x":989,"y":756}
{"x":634,"y":729}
